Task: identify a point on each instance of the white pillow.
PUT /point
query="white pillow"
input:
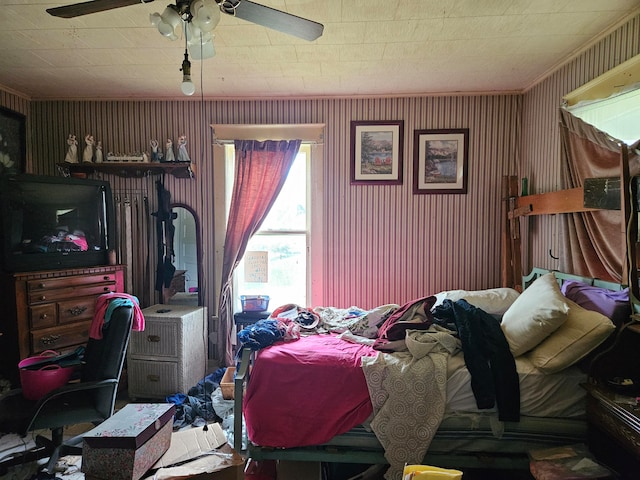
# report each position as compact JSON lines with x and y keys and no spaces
{"x":494,"y":301}
{"x":535,"y":314}
{"x":583,"y":331}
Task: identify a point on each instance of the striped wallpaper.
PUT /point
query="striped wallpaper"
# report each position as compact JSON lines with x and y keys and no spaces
{"x":381,"y":243}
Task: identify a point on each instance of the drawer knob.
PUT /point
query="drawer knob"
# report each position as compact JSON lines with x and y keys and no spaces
{"x":44,"y":316}
{"x":153,"y":338}
{"x":106,"y":278}
{"x":79,"y":310}
{"x":43,"y":297}
{"x":42,"y":285}
{"x":49,"y":339}
{"x":107,"y":289}
{"x":153,"y":378}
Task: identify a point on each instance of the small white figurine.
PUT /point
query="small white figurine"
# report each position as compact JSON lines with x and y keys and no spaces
{"x":99,"y":152}
{"x":72,"y":150}
{"x":169,"y":156}
{"x":183,"y":156}
{"x":156,"y":154}
{"x":87,"y":156}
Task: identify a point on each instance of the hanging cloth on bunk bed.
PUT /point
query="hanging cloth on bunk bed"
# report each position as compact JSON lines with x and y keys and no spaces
{"x":592,"y":242}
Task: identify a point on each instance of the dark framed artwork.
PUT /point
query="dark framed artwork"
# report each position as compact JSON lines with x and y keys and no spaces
{"x":440,"y":160}
{"x":13,"y":148}
{"x":376,"y":152}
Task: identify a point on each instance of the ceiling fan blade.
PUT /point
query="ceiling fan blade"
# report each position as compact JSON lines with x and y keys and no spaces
{"x":278,"y":20}
{"x":94,"y":6}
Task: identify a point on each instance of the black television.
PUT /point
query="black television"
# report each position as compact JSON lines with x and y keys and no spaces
{"x":52,"y":223}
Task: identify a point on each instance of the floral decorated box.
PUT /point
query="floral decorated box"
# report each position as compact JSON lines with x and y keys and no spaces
{"x":126,"y":445}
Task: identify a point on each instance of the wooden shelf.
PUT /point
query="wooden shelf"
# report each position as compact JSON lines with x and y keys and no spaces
{"x":130,"y":169}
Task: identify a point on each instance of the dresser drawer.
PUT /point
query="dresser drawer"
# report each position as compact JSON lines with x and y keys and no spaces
{"x":70,"y":311}
{"x":42,"y":296}
{"x":59,"y":337}
{"x":39,"y":285}
{"x":159,"y":339}
{"x":42,"y":316}
{"x":152,"y":379}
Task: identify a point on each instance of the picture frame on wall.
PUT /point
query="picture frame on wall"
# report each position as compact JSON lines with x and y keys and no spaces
{"x":440,"y":160}
{"x":376,"y":152}
{"x":13,"y":146}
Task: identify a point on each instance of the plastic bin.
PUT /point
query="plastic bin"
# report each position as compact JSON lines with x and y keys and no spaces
{"x":37,"y":383}
{"x":254,"y":303}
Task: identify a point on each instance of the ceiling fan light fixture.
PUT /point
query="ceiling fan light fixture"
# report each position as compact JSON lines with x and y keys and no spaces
{"x":200,"y":43}
{"x":167,"y":23}
{"x":206,"y":14}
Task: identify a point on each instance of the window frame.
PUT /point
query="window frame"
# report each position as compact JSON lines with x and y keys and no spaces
{"x":314,"y":233}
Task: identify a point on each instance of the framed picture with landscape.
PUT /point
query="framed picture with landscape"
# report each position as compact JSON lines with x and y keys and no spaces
{"x":376,"y":152}
{"x":13,"y":145}
{"x":440,"y":160}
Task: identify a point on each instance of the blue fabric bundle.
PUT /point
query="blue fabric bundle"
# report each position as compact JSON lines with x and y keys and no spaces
{"x":196,"y":407}
{"x":261,"y":334}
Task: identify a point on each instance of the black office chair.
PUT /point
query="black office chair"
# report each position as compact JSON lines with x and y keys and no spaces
{"x":90,"y":400}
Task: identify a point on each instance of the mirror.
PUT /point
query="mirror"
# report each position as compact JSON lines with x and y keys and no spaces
{"x":185,"y":286}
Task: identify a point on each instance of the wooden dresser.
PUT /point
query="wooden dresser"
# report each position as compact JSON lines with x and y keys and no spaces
{"x":49,"y":310}
{"x":614,"y":416}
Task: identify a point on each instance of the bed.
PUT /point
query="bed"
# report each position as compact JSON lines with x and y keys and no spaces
{"x":330,"y":397}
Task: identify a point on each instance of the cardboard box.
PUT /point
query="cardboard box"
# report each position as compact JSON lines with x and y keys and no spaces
{"x":126,"y":445}
{"x":198,"y":454}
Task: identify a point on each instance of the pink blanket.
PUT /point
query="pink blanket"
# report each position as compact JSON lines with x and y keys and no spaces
{"x":307,"y":391}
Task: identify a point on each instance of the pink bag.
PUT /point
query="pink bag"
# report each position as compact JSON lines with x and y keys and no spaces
{"x":37,"y":383}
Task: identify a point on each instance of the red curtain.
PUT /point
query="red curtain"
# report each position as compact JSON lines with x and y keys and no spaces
{"x":261,"y":169}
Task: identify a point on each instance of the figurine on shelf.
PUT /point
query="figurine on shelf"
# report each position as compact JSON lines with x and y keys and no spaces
{"x":99,"y":156}
{"x":87,"y":156}
{"x":156,"y":153}
{"x":72,"y":149}
{"x":183,"y":156}
{"x":169,"y":156}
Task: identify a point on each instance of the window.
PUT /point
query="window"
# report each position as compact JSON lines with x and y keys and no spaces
{"x":616,"y":115}
{"x":284,"y":236}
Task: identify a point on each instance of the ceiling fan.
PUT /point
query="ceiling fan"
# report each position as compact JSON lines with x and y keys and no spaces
{"x":199,"y":18}
{"x":244,"y":9}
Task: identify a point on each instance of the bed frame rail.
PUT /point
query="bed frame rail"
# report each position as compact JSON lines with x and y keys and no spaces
{"x":357,"y":446}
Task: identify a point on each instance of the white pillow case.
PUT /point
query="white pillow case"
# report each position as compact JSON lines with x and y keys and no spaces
{"x":494,"y":301}
{"x":583,"y":331}
{"x":539,"y":311}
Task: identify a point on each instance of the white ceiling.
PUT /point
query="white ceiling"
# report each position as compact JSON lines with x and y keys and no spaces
{"x":369,"y":48}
